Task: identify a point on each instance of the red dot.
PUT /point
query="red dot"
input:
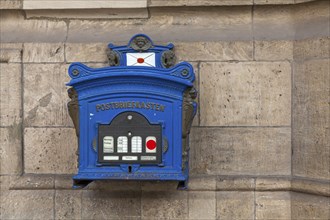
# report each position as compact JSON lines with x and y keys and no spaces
{"x":151,"y":144}
{"x":140,"y":60}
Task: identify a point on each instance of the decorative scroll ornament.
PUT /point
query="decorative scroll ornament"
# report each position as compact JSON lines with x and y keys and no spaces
{"x":113,"y":58}
{"x":168,"y":59}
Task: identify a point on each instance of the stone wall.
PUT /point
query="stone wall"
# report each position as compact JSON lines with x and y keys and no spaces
{"x":259,"y":143}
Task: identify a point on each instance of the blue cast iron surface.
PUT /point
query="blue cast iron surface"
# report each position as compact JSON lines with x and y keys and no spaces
{"x":97,"y":87}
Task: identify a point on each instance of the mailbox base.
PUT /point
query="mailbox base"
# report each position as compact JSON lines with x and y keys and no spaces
{"x":82,"y":180}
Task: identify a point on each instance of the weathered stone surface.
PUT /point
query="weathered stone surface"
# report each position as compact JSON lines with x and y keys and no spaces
{"x":273,"y":2}
{"x":153,"y":204}
{"x":115,"y":13}
{"x":11,"y":4}
{"x":167,"y":3}
{"x":63,"y":181}
{"x":82,"y":52}
{"x":306,"y":206}
{"x":235,"y":205}
{"x":33,"y":181}
{"x":273,"y":184}
{"x":13,"y":46}
{"x":310,"y":186}
{"x":68,"y":204}
{"x":14,"y":28}
{"x":311,"y":48}
{"x":50,"y":150}
{"x":111,"y":205}
{"x":202,"y":182}
{"x":27,"y":204}
{"x":247,"y":151}
{"x":235,"y":184}
{"x":245,"y":94}
{"x":10,"y":93}
{"x":273,"y":22}
{"x":214,"y":51}
{"x":43,"y":52}
{"x":172,"y":24}
{"x":10,"y":150}
{"x":202,"y":205}
{"x":10,"y":56}
{"x":81,"y":4}
{"x":273,"y":205}
{"x":312,"y":20}
{"x":311,"y":118}
{"x":273,"y":50}
{"x":45,"y":95}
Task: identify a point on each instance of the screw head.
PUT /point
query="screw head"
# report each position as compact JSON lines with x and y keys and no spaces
{"x":184,"y":72}
{"x":75,"y":72}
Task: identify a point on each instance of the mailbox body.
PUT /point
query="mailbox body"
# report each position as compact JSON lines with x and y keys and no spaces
{"x":122,"y":109}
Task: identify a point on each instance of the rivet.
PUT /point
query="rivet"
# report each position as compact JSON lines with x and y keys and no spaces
{"x":75,"y":72}
{"x":184,"y":72}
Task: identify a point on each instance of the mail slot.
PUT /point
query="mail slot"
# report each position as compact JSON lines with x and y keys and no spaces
{"x":133,"y":117}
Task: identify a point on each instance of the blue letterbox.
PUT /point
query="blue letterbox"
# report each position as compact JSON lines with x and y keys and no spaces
{"x":133,"y":117}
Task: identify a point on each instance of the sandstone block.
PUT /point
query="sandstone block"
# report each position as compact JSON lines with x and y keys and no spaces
{"x":235,"y":205}
{"x":11,"y":46}
{"x":245,"y":94}
{"x":63,"y":181}
{"x":214,"y":51}
{"x":273,"y":205}
{"x":274,"y":22}
{"x":247,"y":151}
{"x":10,"y":150}
{"x":10,"y":56}
{"x":50,"y":150}
{"x":273,"y":50}
{"x":306,"y":206}
{"x":11,"y":4}
{"x":86,"y":52}
{"x":312,"y":20}
{"x":273,"y":184}
{"x":43,"y":52}
{"x":310,"y":186}
{"x":159,"y":186}
{"x":311,"y":117}
{"x":10,"y":93}
{"x":172,"y":24}
{"x":311,"y":48}
{"x":202,"y":205}
{"x":14,"y":28}
{"x":45,"y":95}
{"x":202,"y":182}
{"x":171,"y":3}
{"x":32,"y":181}
{"x":235,"y":184}
{"x":27,"y":204}
{"x":153,"y":204}
{"x":68,"y":204}
{"x":110,"y":205}
{"x":273,"y":2}
{"x":109,"y":185}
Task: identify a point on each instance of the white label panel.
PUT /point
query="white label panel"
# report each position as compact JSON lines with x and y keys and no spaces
{"x":136,"y":144}
{"x":129,"y":158}
{"x":110,"y":158}
{"x":108,"y":144}
{"x":141,"y":59}
{"x":148,"y":157}
{"x":122,"y":143}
